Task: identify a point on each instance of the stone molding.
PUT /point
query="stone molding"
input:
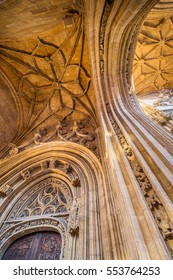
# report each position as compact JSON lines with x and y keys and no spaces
{"x":78,"y":168}
{"x":128,"y":132}
{"x":36,"y":224}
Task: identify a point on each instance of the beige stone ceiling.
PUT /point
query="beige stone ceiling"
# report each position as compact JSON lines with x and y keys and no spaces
{"x":8,"y":119}
{"x":28,"y":18}
{"x":153,"y":61}
{"x":43,"y":53}
{"x":164,"y":6}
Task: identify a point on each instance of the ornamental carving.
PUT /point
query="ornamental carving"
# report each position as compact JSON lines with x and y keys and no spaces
{"x":64,"y":167}
{"x":74,"y":218}
{"x":49,"y":200}
{"x":160,"y":215}
{"x":82,"y":132}
{"x":5,"y":190}
{"x":162,"y":219}
{"x":107,"y":9}
{"x":25,"y":174}
{"x":51,"y":196}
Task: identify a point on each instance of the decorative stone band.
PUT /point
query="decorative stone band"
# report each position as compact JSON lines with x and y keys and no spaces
{"x":107,"y":9}
{"x":26,"y":227}
{"x":160,"y":215}
{"x":83,"y":133}
{"x":5,"y":190}
{"x":73,"y":225}
{"x":36,"y":169}
{"x":158,"y":211}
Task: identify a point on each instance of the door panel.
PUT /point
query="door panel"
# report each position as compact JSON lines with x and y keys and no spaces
{"x":35,"y":246}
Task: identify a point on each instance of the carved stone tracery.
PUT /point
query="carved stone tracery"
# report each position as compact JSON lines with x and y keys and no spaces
{"x":51,"y":196}
{"x":49,"y":200}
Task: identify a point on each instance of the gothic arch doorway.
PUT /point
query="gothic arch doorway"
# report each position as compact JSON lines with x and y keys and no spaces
{"x":43,"y":245}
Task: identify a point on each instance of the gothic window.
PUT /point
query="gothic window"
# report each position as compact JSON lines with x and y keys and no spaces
{"x":52,"y":196}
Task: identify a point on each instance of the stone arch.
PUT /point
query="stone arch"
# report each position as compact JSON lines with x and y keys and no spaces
{"x":78,"y":167}
{"x":31,"y":226}
{"x":137,"y":150}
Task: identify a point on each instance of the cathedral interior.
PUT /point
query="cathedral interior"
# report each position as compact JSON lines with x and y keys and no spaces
{"x":86,"y":129}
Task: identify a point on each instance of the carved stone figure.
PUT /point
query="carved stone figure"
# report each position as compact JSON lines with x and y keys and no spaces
{"x":74,"y":218}
{"x":164,"y":223}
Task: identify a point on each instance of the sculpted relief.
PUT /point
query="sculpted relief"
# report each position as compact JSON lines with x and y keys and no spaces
{"x":51,"y":198}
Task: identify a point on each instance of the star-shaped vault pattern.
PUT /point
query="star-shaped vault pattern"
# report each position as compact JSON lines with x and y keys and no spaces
{"x":153,"y":60}
{"x":51,"y":77}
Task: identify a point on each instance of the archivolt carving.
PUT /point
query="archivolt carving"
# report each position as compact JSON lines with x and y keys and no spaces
{"x":25,"y":174}
{"x":107,"y":9}
{"x":51,"y":197}
{"x":162,"y":219}
{"x":52,"y":168}
{"x":164,"y":223}
{"x":82,"y":132}
{"x":47,"y":165}
{"x":73,"y":225}
{"x":5,"y":190}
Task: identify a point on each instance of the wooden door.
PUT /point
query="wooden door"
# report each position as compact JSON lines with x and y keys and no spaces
{"x":35,"y":246}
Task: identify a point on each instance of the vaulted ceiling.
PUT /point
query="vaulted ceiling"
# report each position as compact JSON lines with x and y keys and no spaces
{"x":45,"y":68}
{"x":153,"y":61}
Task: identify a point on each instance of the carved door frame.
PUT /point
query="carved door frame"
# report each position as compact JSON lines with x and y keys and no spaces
{"x":30,"y":226}
{"x":80,"y":169}
{"x":42,"y":245}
